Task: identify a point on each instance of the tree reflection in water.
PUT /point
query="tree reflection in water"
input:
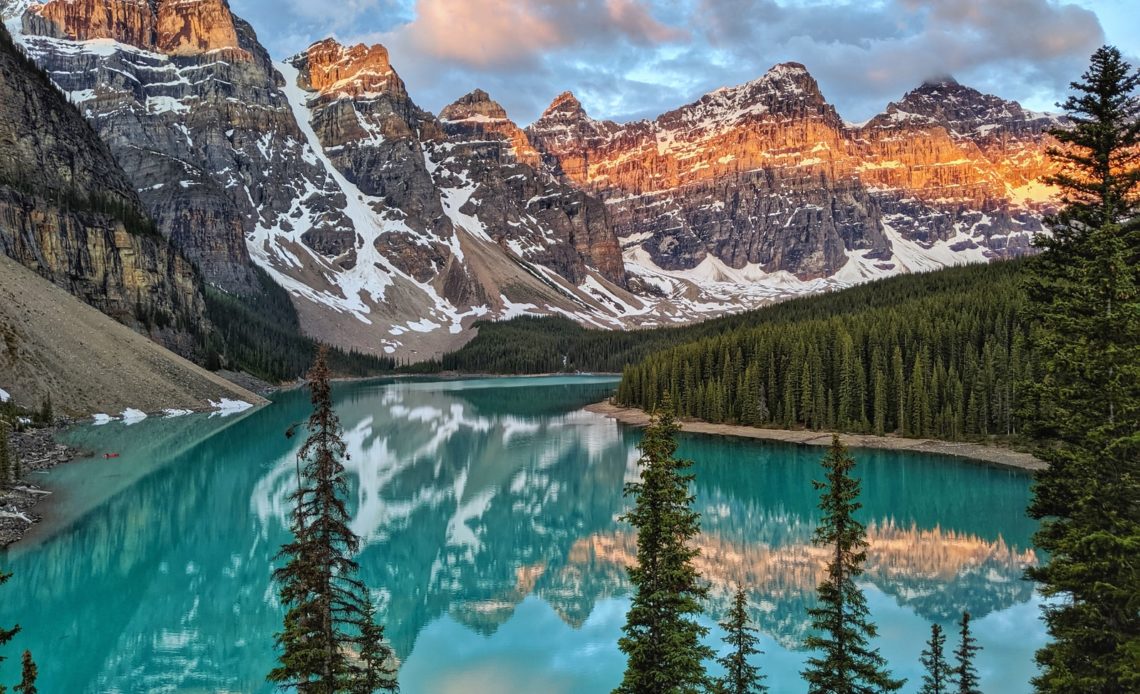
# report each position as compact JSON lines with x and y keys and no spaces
{"x":471,"y":497}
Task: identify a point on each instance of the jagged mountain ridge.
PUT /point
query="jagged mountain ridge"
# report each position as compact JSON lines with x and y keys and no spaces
{"x":394,"y":230}
{"x":765,"y":177}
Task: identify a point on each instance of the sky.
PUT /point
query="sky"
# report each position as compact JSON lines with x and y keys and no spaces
{"x":629,"y":59}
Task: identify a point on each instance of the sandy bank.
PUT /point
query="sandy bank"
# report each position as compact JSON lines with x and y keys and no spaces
{"x":993,"y":455}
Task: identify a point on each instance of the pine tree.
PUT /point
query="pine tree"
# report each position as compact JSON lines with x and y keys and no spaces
{"x":900,"y":390}
{"x":5,"y":456}
{"x":6,"y":635}
{"x":846,"y":664}
{"x":28,"y":675}
{"x":937,"y":678}
{"x":662,"y":638}
{"x":375,"y":670}
{"x":1084,"y":292}
{"x":329,"y":641}
{"x":740,"y":676}
{"x":965,"y":675}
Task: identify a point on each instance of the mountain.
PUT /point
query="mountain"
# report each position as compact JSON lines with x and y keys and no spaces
{"x":68,"y":213}
{"x":766,"y":178}
{"x":447,"y":224}
{"x":394,"y":230}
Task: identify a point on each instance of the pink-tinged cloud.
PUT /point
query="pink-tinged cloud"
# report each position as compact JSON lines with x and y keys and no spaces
{"x":502,"y":33}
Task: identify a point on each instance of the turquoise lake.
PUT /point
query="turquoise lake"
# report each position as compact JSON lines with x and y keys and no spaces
{"x":488,"y":510}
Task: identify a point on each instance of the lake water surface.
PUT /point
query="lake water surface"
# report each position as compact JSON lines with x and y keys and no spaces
{"x":489,"y":513}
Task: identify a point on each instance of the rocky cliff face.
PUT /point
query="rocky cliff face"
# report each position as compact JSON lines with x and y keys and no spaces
{"x":449,"y":218}
{"x":391,"y":235}
{"x":766,"y":177}
{"x":524,"y":208}
{"x":68,"y":212}
{"x":949,"y":163}
{"x":190,"y":105}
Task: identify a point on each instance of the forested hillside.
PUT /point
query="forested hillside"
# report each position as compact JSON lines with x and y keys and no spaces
{"x":934,"y":354}
{"x":937,"y":355}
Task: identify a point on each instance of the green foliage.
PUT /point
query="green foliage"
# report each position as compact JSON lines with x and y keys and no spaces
{"x":740,"y":676}
{"x":7,"y":462}
{"x":28,"y":674}
{"x":376,"y":669}
{"x":937,"y":678}
{"x":937,"y":355}
{"x":662,"y":638}
{"x":45,"y":416}
{"x":330,"y":642}
{"x":548,"y":345}
{"x":1084,"y":293}
{"x":6,"y":636}
{"x":846,"y":663}
{"x":261,"y":335}
{"x":965,"y":675}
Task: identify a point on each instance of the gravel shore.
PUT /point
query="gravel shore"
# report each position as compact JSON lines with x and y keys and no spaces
{"x":993,"y":455}
{"x":37,"y":452}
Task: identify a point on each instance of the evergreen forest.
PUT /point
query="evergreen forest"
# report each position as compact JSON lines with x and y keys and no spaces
{"x":944,"y":361}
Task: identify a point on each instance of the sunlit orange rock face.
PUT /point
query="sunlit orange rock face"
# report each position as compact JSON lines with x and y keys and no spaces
{"x":767,"y":173}
{"x":477,"y":117}
{"x":350,"y":71}
{"x":361,"y":98}
{"x":128,"y":21}
{"x":944,"y":141}
{"x":174,"y":27}
{"x":191,"y":27}
{"x":780,"y":120}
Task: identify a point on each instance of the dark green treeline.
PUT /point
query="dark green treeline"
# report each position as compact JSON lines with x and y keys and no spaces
{"x":938,"y":355}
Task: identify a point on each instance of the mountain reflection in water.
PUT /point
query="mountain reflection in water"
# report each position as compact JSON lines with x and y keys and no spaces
{"x":474,"y":499}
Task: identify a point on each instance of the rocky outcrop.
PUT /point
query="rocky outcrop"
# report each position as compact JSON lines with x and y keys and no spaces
{"x":472,"y":167}
{"x":172,"y":27}
{"x":189,"y":103}
{"x":68,"y":213}
{"x":349,"y":71}
{"x":193,"y":27}
{"x":526,"y":210}
{"x":129,"y":21}
{"x":477,"y":117}
{"x":948,"y":161}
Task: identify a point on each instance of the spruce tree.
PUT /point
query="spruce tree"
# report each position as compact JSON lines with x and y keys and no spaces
{"x":376,"y":669}
{"x":5,"y":456}
{"x":662,"y":639}
{"x":965,"y":675}
{"x":740,"y":676}
{"x":1084,"y":292}
{"x":937,"y":678}
{"x":28,"y":675}
{"x":846,"y":663}
{"x":27,"y":683}
{"x":330,"y":642}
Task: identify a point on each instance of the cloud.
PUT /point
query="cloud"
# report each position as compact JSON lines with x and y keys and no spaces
{"x":634,"y":58}
{"x":866,"y":54}
{"x":488,"y":34}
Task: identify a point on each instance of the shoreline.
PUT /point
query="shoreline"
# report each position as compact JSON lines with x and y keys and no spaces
{"x":977,"y":452}
{"x":38,"y":452}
